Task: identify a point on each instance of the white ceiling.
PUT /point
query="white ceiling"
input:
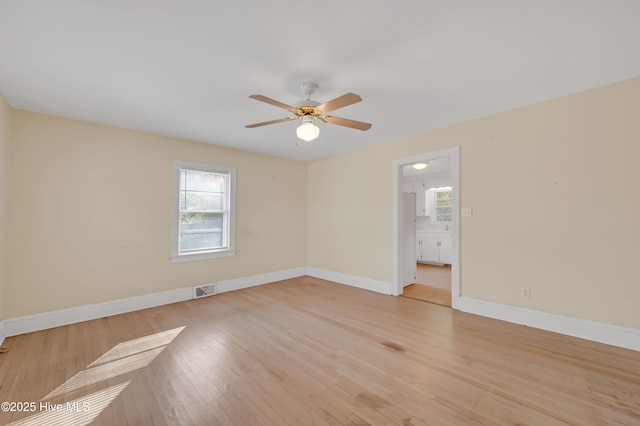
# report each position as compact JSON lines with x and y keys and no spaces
{"x":186,"y":68}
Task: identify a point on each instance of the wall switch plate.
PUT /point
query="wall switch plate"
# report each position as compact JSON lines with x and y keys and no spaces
{"x":467,"y":212}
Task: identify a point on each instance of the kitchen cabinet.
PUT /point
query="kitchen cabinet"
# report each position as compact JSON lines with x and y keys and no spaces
{"x":434,"y":247}
{"x":429,"y":204}
{"x":445,"y":251}
{"x":419,"y":243}
{"x":431,"y":250}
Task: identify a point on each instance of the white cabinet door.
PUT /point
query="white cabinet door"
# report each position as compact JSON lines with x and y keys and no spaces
{"x":446,"y":251}
{"x":429,"y":204}
{"x":430,"y":250}
{"x":419,"y":246}
{"x":434,"y":248}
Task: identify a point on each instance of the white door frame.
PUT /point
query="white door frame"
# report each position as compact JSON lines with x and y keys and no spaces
{"x":454,"y":155}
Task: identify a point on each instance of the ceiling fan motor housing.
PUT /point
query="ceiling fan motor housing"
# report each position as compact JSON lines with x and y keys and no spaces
{"x":307,"y":103}
{"x":308,"y":87}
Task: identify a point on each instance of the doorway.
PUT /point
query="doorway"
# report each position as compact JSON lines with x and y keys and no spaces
{"x":432,"y":284}
{"x":450,"y":265}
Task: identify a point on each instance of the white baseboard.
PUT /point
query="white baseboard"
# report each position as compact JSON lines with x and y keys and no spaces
{"x":29,"y":323}
{"x":45,"y":320}
{"x":352,"y":280}
{"x":270,"y":277}
{"x":623,"y":337}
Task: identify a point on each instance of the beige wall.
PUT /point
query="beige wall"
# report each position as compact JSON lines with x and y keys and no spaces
{"x":554,"y":191}
{"x":350,"y":214}
{"x":90,"y":214}
{"x":5,"y":111}
{"x":552,"y":187}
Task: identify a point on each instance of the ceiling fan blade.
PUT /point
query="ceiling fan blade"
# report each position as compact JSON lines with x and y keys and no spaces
{"x":340,"y":102}
{"x":264,"y":123}
{"x":359,"y":125}
{"x":273,"y":102}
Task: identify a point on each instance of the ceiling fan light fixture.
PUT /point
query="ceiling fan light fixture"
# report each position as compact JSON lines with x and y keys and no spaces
{"x":420,"y":166}
{"x":307,"y":131}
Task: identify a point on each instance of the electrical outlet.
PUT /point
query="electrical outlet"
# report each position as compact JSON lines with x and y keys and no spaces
{"x":466,"y":212}
{"x":526,"y":293}
{"x":223,"y":270}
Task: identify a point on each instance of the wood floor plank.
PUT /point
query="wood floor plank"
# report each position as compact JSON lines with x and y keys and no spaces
{"x":437,"y":276}
{"x":428,"y":294}
{"x":432,"y":284}
{"x":309,"y":351}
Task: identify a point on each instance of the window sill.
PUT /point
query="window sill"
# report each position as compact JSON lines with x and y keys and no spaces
{"x":202,"y":256}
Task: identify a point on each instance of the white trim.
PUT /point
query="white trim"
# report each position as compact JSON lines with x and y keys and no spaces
{"x":619,"y":336}
{"x":623,"y":337}
{"x":195,"y":257}
{"x":351,"y":280}
{"x":270,"y":277}
{"x":46,"y":320}
{"x":454,"y":154}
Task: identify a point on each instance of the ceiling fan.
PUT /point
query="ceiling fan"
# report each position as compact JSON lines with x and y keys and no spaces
{"x":309,"y":111}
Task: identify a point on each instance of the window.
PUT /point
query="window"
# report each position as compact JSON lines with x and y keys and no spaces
{"x":203,"y":219}
{"x":444,"y":205}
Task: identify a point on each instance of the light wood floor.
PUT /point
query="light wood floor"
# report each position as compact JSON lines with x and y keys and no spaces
{"x":434,"y":275}
{"x":429,"y":294}
{"x":433,"y":284}
{"x":310,"y":352}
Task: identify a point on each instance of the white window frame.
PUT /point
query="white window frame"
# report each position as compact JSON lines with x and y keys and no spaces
{"x":230,"y":229}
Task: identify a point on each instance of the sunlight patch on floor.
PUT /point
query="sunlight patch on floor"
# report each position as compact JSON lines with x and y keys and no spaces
{"x":123,"y":358}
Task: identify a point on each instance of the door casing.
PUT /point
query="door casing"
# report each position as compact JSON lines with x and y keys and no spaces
{"x":453,"y":154}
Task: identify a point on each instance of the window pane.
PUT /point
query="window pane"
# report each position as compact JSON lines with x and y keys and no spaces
{"x":200,"y":241}
{"x":200,"y":221}
{"x":201,"y":201}
{"x":201,"y":231}
{"x":444,"y":203}
{"x":203,"y":181}
{"x":202,"y":190}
